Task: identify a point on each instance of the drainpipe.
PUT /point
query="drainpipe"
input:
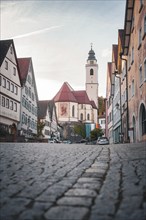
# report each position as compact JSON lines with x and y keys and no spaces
{"x":121,"y":54}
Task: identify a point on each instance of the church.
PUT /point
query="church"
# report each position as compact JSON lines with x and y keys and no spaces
{"x":80,"y":106}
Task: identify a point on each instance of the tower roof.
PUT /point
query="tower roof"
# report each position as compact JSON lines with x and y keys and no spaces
{"x":91,"y":54}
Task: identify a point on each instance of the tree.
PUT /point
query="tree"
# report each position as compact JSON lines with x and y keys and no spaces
{"x":80,"y":129}
{"x":95,"y":133}
{"x":40,"y":126}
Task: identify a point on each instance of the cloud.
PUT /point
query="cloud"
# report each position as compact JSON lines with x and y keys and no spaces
{"x":37,"y":32}
{"x":106,"y":52}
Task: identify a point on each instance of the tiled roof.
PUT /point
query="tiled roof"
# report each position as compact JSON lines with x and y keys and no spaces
{"x":23,"y":66}
{"x":93,"y":104}
{"x":65,"y":94}
{"x":121,"y":35}
{"x":4,"y":46}
{"x":115,"y":54}
{"x":110,"y":69}
{"x":81,"y":97}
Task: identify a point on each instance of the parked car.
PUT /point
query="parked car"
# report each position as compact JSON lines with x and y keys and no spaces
{"x":67,"y":142}
{"x":102,"y":141}
{"x":54,"y":141}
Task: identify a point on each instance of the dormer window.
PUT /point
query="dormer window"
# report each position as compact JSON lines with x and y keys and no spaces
{"x":91,"y":72}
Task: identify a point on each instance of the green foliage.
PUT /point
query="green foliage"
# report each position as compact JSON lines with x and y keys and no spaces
{"x":40,"y":126}
{"x":95,"y":133}
{"x":80,"y":129}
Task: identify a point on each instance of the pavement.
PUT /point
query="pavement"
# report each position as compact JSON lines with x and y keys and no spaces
{"x":72,"y":181}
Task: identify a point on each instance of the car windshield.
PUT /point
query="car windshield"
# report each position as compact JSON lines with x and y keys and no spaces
{"x":103,"y":139}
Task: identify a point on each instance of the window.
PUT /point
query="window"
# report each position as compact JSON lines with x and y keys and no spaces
{"x":73,"y":111}
{"x":132,"y":27}
{"x":4,"y":82}
{"x":91,"y":72}
{"x":15,"y":106}
{"x":16,"y":90}
{"x":141,"y":5}
{"x":32,"y":95}
{"x":91,"y":62}
{"x":129,"y":61}
{"x":26,"y":90}
{"x":144,"y":27}
{"x":6,"y":65}
{"x":11,"y":104}
{"x":132,"y":88}
{"x":145,"y":70}
{"x":129,"y":91}
{"x":23,"y":101}
{"x":29,"y":92}
{"x":103,"y":121}
{"x":23,"y":118}
{"x":140,"y":38}
{"x":8,"y":85}
{"x":3,"y":101}
{"x":81,"y":117}
{"x":143,"y":120}
{"x":132,"y":55}
{"x":81,"y":106}
{"x":0,"y":80}
{"x":7,"y":103}
{"x":14,"y":71}
{"x":12,"y":87}
{"x":140,"y":75}
{"x":88,"y":116}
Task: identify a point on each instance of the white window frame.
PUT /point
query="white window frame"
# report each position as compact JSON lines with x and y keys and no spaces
{"x":145,"y":70}
{"x":6,"y":64}
{"x":140,"y":75}
{"x":132,"y":88}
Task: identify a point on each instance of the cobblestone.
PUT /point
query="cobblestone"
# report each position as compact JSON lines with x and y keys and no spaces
{"x":72,"y":182}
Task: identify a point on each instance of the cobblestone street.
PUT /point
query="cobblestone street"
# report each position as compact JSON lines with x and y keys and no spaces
{"x":72,"y":182}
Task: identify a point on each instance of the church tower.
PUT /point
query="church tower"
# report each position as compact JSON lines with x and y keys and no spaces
{"x":92,"y":77}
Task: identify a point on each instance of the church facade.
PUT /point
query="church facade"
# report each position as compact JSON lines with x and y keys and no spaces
{"x":82,"y":105}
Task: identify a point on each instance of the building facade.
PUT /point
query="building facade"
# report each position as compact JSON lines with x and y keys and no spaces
{"x":10,"y":88}
{"x":29,"y":99}
{"x":47,"y":115}
{"x":109,"y":104}
{"x":135,"y":52}
{"x":129,"y":79}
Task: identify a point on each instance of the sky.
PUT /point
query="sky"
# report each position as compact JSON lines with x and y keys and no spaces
{"x":57,"y":35}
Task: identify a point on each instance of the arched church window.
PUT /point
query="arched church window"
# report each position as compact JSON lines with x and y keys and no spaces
{"x":73,"y":111}
{"x":81,"y":116}
{"x":88,"y":116}
{"x":91,"y":72}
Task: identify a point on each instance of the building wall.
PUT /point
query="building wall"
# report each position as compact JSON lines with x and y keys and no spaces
{"x":10,"y":90}
{"x":136,"y":77}
{"x":82,"y":112}
{"x":28,"y":123}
